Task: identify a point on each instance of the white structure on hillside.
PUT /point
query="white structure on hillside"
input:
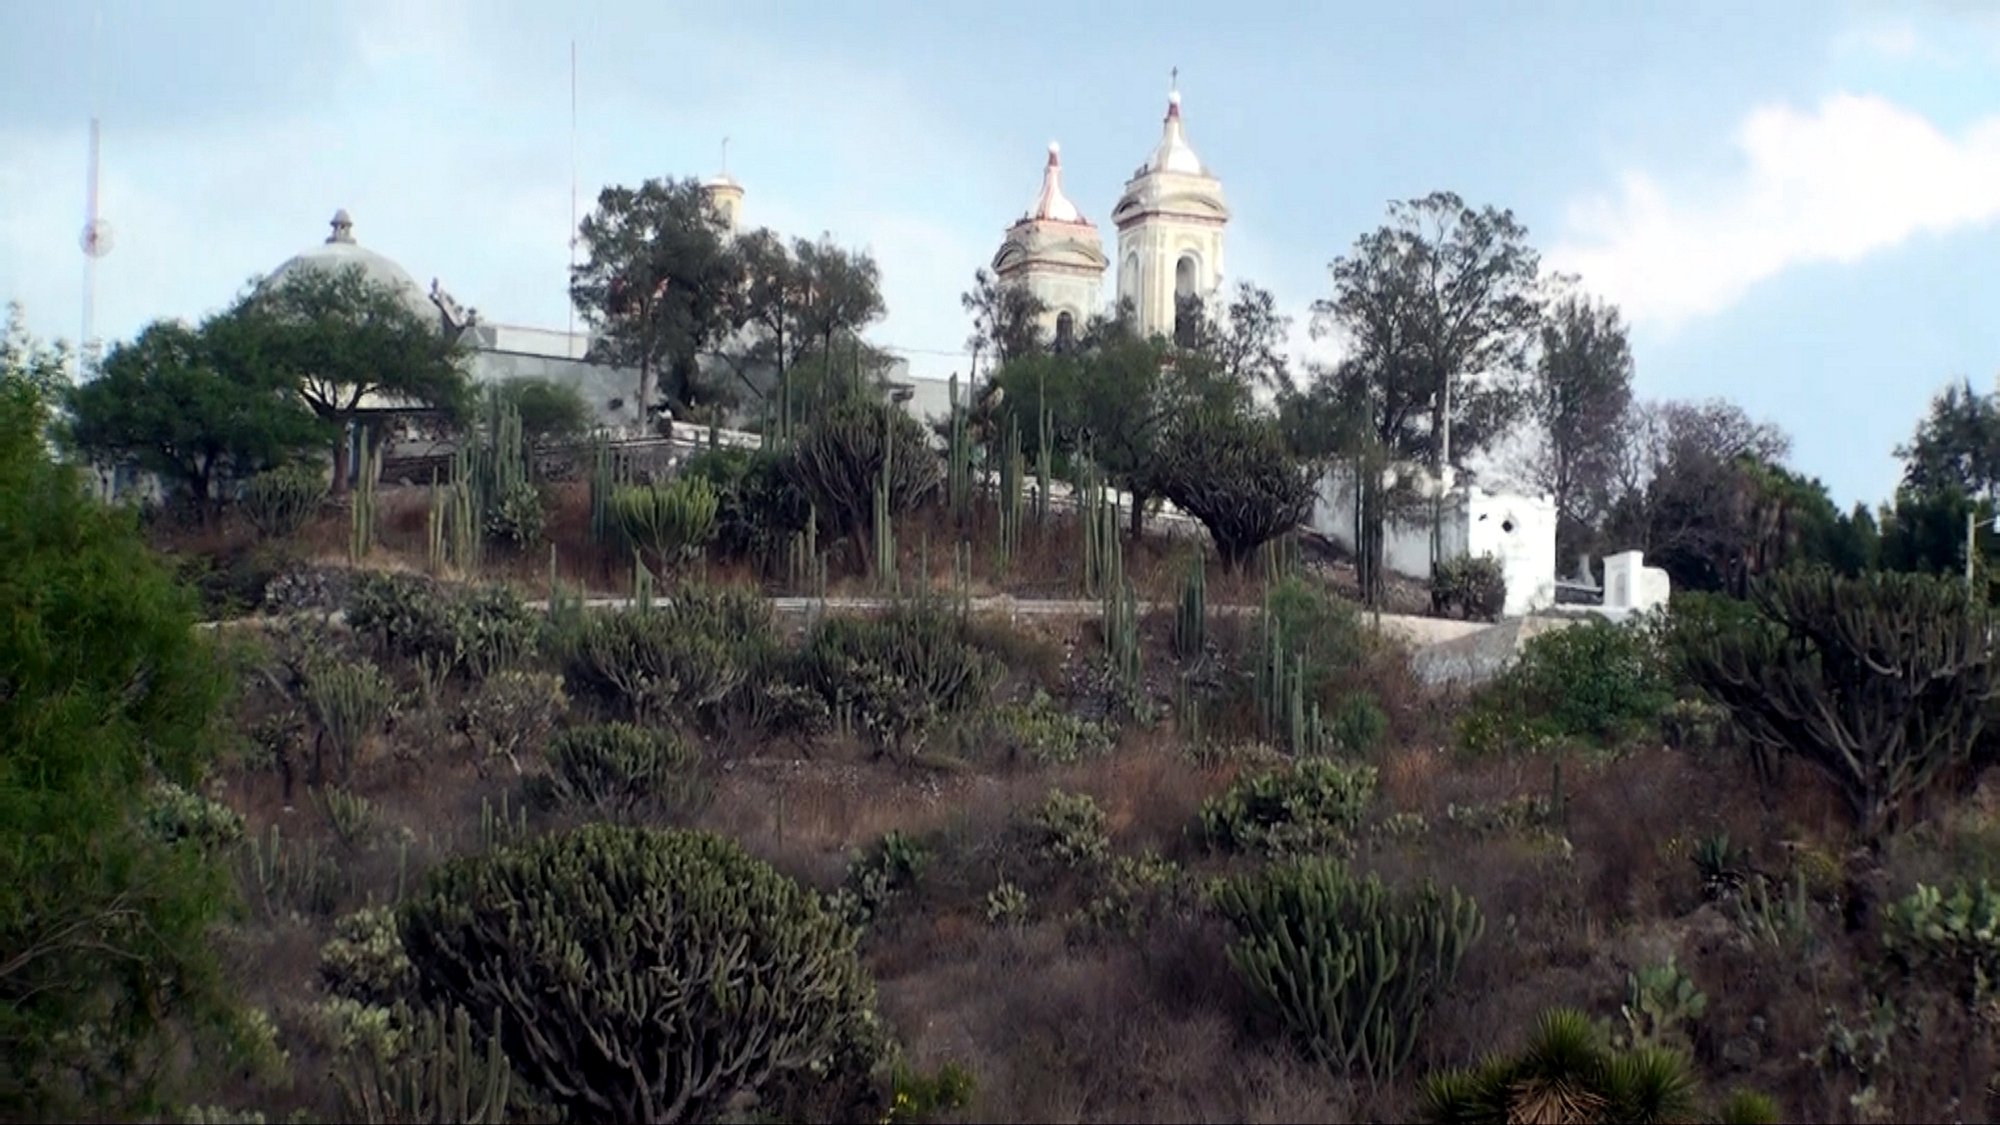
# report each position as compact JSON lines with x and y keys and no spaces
{"x":1056,"y":254}
{"x":1517,"y":531}
{"x":1631,"y":587}
{"x":1170,"y":221}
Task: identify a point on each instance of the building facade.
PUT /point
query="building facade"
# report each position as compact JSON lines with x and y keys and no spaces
{"x":1170,"y":220}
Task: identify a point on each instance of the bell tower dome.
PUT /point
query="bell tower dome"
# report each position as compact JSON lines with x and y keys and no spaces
{"x":1170,"y":223}
{"x":1057,"y":255}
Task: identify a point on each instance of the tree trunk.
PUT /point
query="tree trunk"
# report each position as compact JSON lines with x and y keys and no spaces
{"x":1138,"y":516}
{"x":342,"y":458}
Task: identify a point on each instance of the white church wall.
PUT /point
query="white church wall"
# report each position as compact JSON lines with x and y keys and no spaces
{"x":1517,"y":531}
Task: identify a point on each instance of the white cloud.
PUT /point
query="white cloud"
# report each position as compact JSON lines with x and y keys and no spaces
{"x":1854,"y":177}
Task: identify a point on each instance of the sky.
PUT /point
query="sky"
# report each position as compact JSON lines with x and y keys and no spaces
{"x":1796,"y":203}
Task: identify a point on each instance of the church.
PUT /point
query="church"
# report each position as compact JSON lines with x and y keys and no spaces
{"x":1170,"y":220}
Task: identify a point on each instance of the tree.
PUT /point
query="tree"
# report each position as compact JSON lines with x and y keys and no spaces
{"x":1578,"y":397}
{"x":549,"y":411}
{"x":656,"y":286}
{"x":841,"y":460}
{"x":1248,"y":345}
{"x":1006,"y":319}
{"x":1957,"y":446}
{"x":840,"y":291}
{"x":105,"y":963}
{"x":764,"y":312}
{"x":1693,"y":481}
{"x":192,"y":405}
{"x":1230,"y":470}
{"x":342,"y":339}
{"x":1883,"y":683}
{"x":27,"y":360}
{"x":1439,"y":308}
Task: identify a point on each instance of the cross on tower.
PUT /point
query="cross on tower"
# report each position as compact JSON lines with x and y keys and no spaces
{"x":1174,"y":80}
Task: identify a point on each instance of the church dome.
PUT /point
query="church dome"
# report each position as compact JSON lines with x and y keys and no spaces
{"x":340,"y":251}
{"x":1051,"y":205}
{"x":1174,"y":153}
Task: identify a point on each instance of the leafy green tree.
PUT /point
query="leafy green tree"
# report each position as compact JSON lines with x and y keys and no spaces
{"x":193,"y":405}
{"x":1230,"y":470}
{"x":1247,"y":346}
{"x":1957,"y":446}
{"x":841,"y":291}
{"x":343,"y":339}
{"x":549,"y":411}
{"x":24,"y":359}
{"x":105,"y":687}
{"x":656,"y":286}
{"x":1578,"y":396}
{"x":1006,"y":319}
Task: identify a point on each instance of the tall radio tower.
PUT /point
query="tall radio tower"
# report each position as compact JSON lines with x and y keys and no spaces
{"x":96,"y":238}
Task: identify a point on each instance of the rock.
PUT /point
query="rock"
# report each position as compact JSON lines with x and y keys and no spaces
{"x":1742,"y":1052}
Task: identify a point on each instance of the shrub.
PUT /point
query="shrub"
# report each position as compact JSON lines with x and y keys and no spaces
{"x":279,"y":502}
{"x":758,"y":505}
{"x":511,"y":711}
{"x":876,"y":876}
{"x":515,"y":515}
{"x":898,"y":674}
{"x":1069,"y":829}
{"x":1883,"y":683}
{"x":1600,"y":682}
{"x":1567,"y":1073}
{"x":1311,"y":806}
{"x":1043,"y":731}
{"x":364,"y":960}
{"x":480,"y":630}
{"x":1349,"y":968}
{"x":671,"y":522}
{"x":601,"y":953}
{"x":1474,"y":587}
{"x":653,"y":665}
{"x":174,"y":814}
{"x":620,"y":768}
{"x":1952,"y":939}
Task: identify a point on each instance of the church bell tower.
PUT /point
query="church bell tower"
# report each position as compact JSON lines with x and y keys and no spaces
{"x":1170,"y":223}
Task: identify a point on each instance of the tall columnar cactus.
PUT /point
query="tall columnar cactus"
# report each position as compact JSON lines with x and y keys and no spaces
{"x":884,"y":516}
{"x":1191,"y":616}
{"x":802,"y":555}
{"x":642,"y":584}
{"x":1045,"y":452}
{"x":1012,"y":478}
{"x":445,"y":1071}
{"x":610,"y":470}
{"x":1100,"y":538}
{"x":1120,"y":608}
{"x":361,"y":534}
{"x":1349,"y":967}
{"x":434,"y":525}
{"x":600,"y":948}
{"x":958,"y":462}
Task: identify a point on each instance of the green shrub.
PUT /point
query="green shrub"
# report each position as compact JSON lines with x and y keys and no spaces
{"x":758,"y":506}
{"x":688,"y":658}
{"x":618,"y":768}
{"x":1473,"y":587}
{"x":1356,"y":725}
{"x":513,"y":711}
{"x":897,"y":675}
{"x":1596,"y":682}
{"x":516,"y":516}
{"x":1041,"y":730}
{"x":874,"y":877}
{"x":1348,"y":967}
{"x":1312,"y":806}
{"x":174,"y":814}
{"x":364,"y":960}
{"x":1136,"y":889}
{"x":601,"y":952}
{"x":279,"y":502}
{"x":480,"y":629}
{"x":1951,"y":939}
{"x":1069,"y":828}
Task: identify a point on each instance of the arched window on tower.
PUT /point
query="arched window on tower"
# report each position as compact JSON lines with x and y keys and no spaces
{"x":1187,"y":301}
{"x":1065,"y":331}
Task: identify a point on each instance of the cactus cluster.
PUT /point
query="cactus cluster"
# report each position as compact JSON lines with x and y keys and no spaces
{"x":1350,"y":967}
{"x":280,"y":502}
{"x":958,"y":463}
{"x":610,"y":470}
{"x":1013,"y":471}
{"x":593,"y":956}
{"x":672,"y":522}
{"x":1285,"y":715}
{"x":443,"y":1070}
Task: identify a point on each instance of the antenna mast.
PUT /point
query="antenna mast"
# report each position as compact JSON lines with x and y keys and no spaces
{"x":572,"y":192}
{"x":96,"y":238}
